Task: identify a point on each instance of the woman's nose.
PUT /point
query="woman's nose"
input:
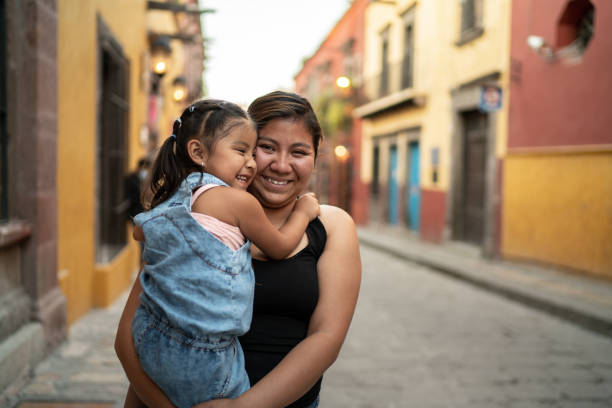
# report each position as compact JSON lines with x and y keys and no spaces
{"x":281,"y":164}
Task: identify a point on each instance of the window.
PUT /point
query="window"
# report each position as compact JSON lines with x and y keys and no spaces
{"x":375,"y":171}
{"x":384,"y":71}
{"x":111,"y":148}
{"x":471,"y":20}
{"x":349,"y":60}
{"x":575,"y":29}
{"x":408,"y":57}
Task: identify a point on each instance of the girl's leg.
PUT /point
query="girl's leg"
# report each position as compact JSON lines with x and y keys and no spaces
{"x":132,"y":400}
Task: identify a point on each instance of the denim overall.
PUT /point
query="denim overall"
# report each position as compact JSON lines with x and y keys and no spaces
{"x":197,"y":297}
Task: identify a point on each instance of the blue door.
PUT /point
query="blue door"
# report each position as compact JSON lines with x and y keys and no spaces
{"x":413,"y":199}
{"x":393,"y":186}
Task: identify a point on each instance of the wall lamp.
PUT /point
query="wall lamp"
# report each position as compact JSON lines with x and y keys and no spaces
{"x":541,"y":47}
{"x":160,"y":54}
{"x":341,"y":152}
{"x":179,"y":88}
{"x":343,"y":82}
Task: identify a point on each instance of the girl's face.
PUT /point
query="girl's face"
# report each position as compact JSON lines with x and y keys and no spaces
{"x":231,"y":158}
{"x":285,"y":159}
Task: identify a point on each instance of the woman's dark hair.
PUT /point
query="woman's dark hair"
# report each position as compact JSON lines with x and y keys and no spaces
{"x":286,"y":105}
{"x":207,"y":120}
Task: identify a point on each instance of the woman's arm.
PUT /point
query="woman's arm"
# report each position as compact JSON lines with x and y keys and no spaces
{"x":339,"y":271}
{"x":145,"y":389}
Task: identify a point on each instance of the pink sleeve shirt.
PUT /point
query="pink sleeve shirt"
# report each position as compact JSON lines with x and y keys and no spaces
{"x":230,"y":235}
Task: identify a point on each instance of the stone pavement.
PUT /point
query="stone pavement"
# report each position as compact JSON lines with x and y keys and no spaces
{"x":579,"y":299}
{"x":84,"y":371}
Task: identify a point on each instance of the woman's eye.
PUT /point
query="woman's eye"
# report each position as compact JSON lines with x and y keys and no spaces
{"x":299,"y":153}
{"x":264,"y":147}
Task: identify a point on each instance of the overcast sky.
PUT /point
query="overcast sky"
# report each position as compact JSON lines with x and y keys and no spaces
{"x":258,"y":45}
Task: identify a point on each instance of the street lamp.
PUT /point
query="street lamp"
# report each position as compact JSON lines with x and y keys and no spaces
{"x":160,"y":55}
{"x":179,"y":88}
{"x":341,"y":152}
{"x":343,"y":82}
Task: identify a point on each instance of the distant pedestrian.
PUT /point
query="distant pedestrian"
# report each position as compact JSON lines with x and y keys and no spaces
{"x":133,"y":187}
{"x":197,"y":282}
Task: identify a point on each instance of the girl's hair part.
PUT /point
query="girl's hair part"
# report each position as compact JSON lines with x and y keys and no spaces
{"x":286,"y":105}
{"x":207,"y":120}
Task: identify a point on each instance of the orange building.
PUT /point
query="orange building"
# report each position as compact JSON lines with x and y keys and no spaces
{"x":331,"y":80}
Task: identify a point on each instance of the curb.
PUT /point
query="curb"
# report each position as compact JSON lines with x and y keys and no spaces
{"x":565,"y":312}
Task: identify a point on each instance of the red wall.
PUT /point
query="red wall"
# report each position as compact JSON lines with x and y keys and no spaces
{"x":433,"y":214}
{"x":554,"y":103}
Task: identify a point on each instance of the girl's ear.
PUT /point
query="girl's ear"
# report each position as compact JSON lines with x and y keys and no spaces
{"x":197,"y":151}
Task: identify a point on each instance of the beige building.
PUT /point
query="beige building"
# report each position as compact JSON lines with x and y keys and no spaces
{"x":429,"y":153}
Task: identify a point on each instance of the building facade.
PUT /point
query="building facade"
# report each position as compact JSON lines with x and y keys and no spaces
{"x":331,"y":80}
{"x":75,"y":98}
{"x":430,"y":152}
{"x":558,"y":169}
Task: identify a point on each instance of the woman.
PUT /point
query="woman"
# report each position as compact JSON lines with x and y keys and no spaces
{"x":303,"y":304}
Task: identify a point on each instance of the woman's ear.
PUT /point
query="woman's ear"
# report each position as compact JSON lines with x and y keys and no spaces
{"x":197,"y":152}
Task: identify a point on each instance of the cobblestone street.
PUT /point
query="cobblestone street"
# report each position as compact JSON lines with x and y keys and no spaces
{"x":423,"y":340}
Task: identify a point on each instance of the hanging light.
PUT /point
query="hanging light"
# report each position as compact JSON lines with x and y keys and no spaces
{"x":179,"y":88}
{"x":160,"y":55}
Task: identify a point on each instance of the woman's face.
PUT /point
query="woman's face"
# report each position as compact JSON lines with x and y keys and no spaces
{"x":285,"y":159}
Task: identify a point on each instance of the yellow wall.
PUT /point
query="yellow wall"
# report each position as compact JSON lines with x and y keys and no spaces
{"x":557,"y":208}
{"x":77,"y":115}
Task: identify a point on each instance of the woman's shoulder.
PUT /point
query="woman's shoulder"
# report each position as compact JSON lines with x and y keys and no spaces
{"x":336,"y":221}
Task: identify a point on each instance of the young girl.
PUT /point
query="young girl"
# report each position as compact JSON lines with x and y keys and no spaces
{"x":197,"y":282}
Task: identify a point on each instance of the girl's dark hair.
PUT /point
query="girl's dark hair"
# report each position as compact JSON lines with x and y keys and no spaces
{"x":286,"y":105}
{"x":207,"y":120}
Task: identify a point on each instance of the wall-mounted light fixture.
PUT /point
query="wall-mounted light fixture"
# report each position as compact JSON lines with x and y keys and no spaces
{"x":541,"y":47}
{"x":160,"y":55}
{"x":179,"y":89}
{"x":341,"y":152}
{"x":343,"y":82}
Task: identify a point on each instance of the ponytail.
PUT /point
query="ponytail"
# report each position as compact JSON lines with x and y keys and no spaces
{"x":167,"y":173}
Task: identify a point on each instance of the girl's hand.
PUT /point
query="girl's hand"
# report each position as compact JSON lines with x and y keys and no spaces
{"x":309,"y":205}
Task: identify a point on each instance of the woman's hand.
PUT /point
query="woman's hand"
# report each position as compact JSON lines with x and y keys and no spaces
{"x":219,"y":403}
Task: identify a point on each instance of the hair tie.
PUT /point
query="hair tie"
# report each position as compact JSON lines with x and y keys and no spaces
{"x":173,"y":136}
{"x":191,"y":108}
{"x":180,"y":122}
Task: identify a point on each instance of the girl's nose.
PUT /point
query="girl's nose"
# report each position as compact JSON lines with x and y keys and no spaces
{"x":251,"y":164}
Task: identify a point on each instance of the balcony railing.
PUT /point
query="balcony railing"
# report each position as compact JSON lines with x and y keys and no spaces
{"x":393,"y":78}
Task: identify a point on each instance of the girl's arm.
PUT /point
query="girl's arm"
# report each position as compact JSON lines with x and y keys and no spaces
{"x":146,"y":390}
{"x":247,"y":214}
{"x":339,"y":271}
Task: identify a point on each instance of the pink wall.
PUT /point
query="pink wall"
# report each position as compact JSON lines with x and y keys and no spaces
{"x":433,"y":207}
{"x":555,"y":103}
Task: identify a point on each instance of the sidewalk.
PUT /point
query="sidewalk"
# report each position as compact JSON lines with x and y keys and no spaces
{"x":84,"y":371}
{"x":581,"y":300}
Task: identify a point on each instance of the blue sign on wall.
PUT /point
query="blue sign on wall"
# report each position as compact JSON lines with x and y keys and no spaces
{"x":490,"y":98}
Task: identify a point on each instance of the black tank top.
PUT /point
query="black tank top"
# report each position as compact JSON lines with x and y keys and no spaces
{"x":286,"y":294}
